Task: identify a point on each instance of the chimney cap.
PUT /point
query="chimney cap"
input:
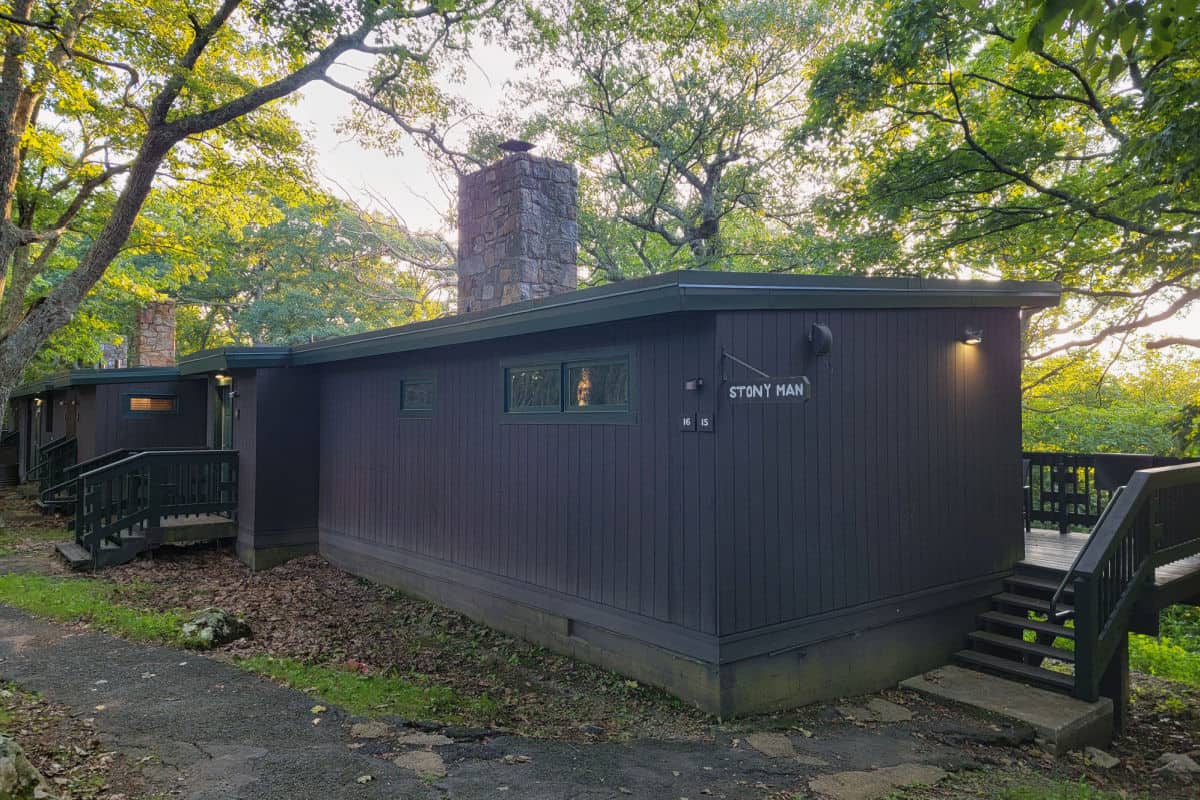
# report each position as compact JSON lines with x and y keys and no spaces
{"x":515,"y":146}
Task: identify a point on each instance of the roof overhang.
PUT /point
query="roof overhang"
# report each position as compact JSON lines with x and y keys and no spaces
{"x":95,"y":377}
{"x":226,"y":358}
{"x":683,"y":291}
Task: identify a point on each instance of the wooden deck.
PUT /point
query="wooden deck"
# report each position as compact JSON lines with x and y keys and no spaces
{"x":1173,"y":583}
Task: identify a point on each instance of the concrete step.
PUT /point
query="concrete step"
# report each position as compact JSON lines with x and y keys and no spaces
{"x":75,"y":555}
{"x":1016,"y":670}
{"x":1061,"y":723}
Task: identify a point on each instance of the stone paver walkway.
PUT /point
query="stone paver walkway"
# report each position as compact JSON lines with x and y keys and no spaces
{"x":214,"y":732}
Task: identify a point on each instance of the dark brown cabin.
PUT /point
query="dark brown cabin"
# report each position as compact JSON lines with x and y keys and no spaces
{"x":85,"y":413}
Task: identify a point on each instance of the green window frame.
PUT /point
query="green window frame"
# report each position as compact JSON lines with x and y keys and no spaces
{"x":418,"y":395}
{"x":598,"y":386}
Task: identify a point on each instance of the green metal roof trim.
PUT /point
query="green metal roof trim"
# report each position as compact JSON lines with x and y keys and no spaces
{"x":688,"y":290}
{"x":223,"y":358}
{"x":93,"y":377}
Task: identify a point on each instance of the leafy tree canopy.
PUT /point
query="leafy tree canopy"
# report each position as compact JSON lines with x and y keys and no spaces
{"x":1003,"y":140}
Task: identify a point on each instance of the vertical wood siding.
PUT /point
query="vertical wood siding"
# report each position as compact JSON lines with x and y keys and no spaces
{"x":614,"y":516}
{"x":900,"y":475}
{"x":116,"y":429}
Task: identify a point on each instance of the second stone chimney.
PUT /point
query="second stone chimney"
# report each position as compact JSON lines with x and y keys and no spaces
{"x":517,"y":231}
{"x":154,"y":341}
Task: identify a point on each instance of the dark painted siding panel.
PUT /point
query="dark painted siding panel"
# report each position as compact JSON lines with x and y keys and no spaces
{"x":284,"y":459}
{"x":900,"y":475}
{"x":116,"y":429}
{"x":619,"y":516}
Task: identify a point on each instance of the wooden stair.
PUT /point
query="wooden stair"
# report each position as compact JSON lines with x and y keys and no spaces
{"x":1000,"y":646}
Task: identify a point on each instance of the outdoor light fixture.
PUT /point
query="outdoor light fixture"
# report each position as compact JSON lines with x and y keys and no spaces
{"x":694,"y":385}
{"x":972,"y":336}
{"x":821,"y":338}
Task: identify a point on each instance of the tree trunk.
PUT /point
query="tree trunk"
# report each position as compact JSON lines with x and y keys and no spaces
{"x":50,"y":313}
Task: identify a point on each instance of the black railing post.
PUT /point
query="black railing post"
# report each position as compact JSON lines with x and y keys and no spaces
{"x":1087,"y":613}
{"x":154,"y":493}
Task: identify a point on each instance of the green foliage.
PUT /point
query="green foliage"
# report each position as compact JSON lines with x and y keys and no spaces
{"x":1185,"y":429}
{"x":372,"y":695}
{"x":1164,"y":658}
{"x":98,"y":603}
{"x":1082,"y":405}
{"x":959,"y":145}
{"x":323,"y":269}
{"x":678,"y":115}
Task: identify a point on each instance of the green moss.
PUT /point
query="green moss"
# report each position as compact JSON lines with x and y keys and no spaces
{"x":373,"y":695}
{"x":83,"y":600}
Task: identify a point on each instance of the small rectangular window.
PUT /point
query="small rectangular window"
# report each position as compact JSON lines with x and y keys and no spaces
{"x":417,"y":394}
{"x":533,"y":389}
{"x":151,"y":404}
{"x":601,"y":386}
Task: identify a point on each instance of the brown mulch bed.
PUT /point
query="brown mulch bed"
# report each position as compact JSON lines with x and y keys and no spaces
{"x":65,"y":749}
{"x":309,"y":610}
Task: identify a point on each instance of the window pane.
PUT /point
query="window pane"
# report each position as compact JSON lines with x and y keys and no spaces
{"x":534,"y":389}
{"x":598,"y":386}
{"x":152,"y":404}
{"x":418,"y":395}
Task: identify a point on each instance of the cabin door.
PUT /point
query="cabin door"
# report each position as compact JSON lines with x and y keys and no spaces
{"x":223,"y":417}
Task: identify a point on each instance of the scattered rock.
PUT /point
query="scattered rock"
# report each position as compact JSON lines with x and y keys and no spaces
{"x":419,"y":739}
{"x":1100,"y":758}
{"x":427,"y":725}
{"x":213,"y":627}
{"x":426,"y":763}
{"x":513,"y":758}
{"x":1178,"y":763}
{"x":19,"y":779}
{"x":370,"y":730}
{"x":771,"y":745}
{"x":876,"y":710}
{"x":876,"y":784}
{"x":364,"y":779}
{"x":953,"y":732}
{"x":462,"y":734}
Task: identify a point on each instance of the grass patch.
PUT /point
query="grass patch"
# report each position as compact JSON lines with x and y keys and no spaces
{"x":11,"y":537}
{"x":373,"y":695}
{"x":91,"y":601}
{"x":1062,"y":790}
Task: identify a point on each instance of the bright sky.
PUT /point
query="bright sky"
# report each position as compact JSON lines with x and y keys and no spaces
{"x":408,"y":183}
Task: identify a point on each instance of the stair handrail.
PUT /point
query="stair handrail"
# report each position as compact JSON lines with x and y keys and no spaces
{"x":148,"y":485}
{"x":1066,"y":580}
{"x":1119,"y":559}
{"x":72,"y":472}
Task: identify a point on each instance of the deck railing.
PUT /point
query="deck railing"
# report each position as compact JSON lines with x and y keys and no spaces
{"x":141,"y":490}
{"x":1070,"y":490}
{"x":1155,"y":520}
{"x":53,"y":459}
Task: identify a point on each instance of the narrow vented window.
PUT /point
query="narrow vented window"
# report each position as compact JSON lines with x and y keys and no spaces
{"x":151,"y":404}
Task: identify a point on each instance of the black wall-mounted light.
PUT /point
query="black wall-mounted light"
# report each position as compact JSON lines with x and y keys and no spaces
{"x":821,"y":339}
{"x":972,"y":336}
{"x":694,"y":385}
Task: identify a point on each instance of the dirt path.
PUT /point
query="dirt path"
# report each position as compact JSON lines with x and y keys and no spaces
{"x":204,"y":729}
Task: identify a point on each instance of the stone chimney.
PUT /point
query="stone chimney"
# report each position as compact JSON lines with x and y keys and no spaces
{"x":517,"y":230}
{"x":154,"y":342}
